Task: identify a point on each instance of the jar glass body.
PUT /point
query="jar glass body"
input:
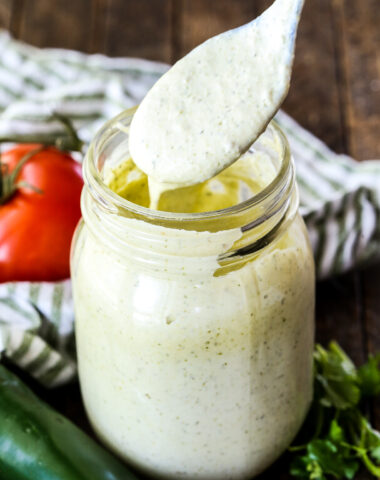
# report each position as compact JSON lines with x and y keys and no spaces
{"x":194,"y":339}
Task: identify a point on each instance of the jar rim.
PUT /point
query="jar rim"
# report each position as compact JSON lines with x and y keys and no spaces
{"x":114,"y":203}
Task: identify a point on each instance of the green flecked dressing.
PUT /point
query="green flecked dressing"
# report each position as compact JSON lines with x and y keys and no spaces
{"x":245,"y":178}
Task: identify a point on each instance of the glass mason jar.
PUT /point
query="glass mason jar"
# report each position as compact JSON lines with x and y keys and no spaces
{"x":194,"y":331}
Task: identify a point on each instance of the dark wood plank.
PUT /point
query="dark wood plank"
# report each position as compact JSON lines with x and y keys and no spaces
{"x":357,"y":24}
{"x":98,"y":26}
{"x":371,"y":294}
{"x":139,"y":29}
{"x":339,"y":314}
{"x":5,"y":14}
{"x":202,"y":19}
{"x":360,"y":64}
{"x":313,"y":98}
{"x":57,"y":24}
{"x":279,"y":470}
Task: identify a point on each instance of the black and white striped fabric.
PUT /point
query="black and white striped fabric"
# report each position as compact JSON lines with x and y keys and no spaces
{"x":340,"y":198}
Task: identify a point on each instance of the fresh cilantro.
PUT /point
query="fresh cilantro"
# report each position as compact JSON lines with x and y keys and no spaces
{"x":337,"y":376}
{"x":369,"y":377}
{"x":337,"y":438}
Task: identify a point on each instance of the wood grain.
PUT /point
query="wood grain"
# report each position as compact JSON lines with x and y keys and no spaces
{"x":358,"y":23}
{"x":202,"y":19}
{"x":139,"y":28}
{"x":5,"y":13}
{"x":313,"y":98}
{"x":98,"y":26}
{"x":359,"y":62}
{"x":371,"y":295}
{"x":339,"y":314}
{"x":57,"y":23}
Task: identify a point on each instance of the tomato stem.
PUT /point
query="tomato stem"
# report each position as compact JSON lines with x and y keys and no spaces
{"x":8,"y":184}
{"x":68,"y":141}
{"x":77,"y":144}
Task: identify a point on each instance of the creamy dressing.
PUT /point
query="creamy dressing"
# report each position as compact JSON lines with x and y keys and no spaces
{"x":214,"y":103}
{"x":192,"y":368}
{"x":191,"y":376}
{"x":237,"y":183}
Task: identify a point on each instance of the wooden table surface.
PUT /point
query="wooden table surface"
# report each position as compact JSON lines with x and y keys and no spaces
{"x":335,"y":93}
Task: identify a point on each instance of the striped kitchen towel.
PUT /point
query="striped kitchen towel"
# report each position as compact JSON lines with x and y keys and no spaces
{"x":340,"y":199}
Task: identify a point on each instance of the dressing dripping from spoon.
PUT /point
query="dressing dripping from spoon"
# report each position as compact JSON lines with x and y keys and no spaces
{"x":209,"y":108}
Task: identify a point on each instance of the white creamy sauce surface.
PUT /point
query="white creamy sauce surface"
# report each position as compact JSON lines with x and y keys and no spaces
{"x":213,"y":103}
{"x":191,"y":376}
{"x":184,"y":373}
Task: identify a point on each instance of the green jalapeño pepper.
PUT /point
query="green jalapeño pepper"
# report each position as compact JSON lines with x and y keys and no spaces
{"x":37,"y":443}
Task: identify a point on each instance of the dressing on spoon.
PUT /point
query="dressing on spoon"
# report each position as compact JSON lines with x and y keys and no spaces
{"x":214,"y":103}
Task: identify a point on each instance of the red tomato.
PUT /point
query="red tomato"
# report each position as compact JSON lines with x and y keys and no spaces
{"x":36,"y":227}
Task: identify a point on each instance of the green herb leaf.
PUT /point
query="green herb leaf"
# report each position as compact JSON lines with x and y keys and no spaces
{"x":304,"y":467}
{"x":323,"y":458}
{"x":369,"y":377}
{"x":337,"y":437}
{"x":334,"y":459}
{"x":338,"y":377}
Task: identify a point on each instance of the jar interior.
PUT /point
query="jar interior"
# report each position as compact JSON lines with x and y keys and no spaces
{"x":247,"y":194}
{"x":253,"y":172}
